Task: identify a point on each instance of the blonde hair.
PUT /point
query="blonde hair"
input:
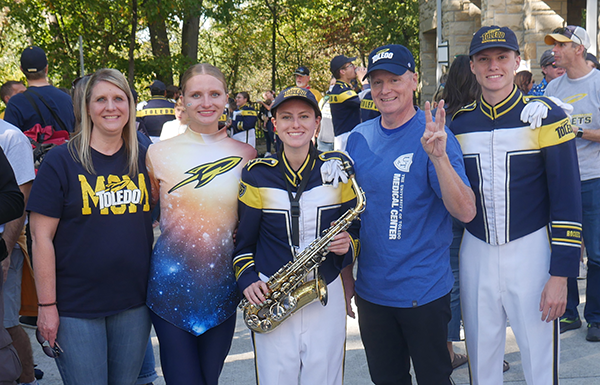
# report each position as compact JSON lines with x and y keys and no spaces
{"x":202,"y":69}
{"x":79,"y":145}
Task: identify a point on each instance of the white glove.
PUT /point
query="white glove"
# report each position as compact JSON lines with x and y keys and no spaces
{"x":533,"y":113}
{"x":566,"y":107}
{"x":332,"y":172}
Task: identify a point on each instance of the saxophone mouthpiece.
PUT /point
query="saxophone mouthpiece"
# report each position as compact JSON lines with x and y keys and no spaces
{"x":348,"y":168}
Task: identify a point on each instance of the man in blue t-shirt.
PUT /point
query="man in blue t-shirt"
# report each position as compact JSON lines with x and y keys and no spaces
{"x":412,"y":173}
{"x":54,"y":105}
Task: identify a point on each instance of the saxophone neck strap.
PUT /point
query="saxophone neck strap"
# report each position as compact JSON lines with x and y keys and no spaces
{"x":295,"y":199}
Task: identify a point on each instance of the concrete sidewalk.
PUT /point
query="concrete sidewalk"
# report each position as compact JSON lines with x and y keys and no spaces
{"x":579,"y":359}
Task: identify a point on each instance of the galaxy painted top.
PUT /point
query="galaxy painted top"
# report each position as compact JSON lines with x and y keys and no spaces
{"x":196,"y":176}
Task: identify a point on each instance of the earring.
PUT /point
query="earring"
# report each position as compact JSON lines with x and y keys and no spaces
{"x":189,"y":104}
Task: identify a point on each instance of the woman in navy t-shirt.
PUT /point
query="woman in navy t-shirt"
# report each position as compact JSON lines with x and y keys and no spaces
{"x":92,"y":239}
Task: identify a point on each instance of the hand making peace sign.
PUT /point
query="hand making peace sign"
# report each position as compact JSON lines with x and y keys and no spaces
{"x":434,"y":137}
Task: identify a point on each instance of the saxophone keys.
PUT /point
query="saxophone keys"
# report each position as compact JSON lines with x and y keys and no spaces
{"x":266,"y":325}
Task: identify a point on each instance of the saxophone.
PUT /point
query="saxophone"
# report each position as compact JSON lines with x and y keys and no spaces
{"x":288,"y":292}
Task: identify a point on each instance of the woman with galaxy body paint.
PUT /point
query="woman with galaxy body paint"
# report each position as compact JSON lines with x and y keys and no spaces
{"x":92,"y":240}
{"x":192,"y":290}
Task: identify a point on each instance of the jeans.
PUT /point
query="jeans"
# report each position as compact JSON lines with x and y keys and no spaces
{"x":12,"y":289}
{"x":324,"y":146}
{"x":590,"y":198}
{"x":148,"y":372}
{"x":106,"y":350}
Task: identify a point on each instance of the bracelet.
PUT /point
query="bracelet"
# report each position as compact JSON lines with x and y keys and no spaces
{"x":47,"y":304}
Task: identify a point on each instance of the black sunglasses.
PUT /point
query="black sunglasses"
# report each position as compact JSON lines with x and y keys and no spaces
{"x":49,"y":351}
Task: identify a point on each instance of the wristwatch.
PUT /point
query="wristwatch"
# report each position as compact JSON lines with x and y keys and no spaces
{"x":579,"y":132}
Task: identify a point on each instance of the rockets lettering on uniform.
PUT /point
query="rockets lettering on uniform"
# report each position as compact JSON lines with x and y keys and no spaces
{"x":119,"y":194}
{"x":395,"y":228}
{"x":580,"y":119}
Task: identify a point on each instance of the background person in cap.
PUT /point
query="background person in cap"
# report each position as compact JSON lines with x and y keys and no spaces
{"x":550,"y":71}
{"x":157,"y":111}
{"x":302,"y":75}
{"x":580,"y":87}
{"x":307,"y":348}
{"x":412,"y":172}
{"x":591,"y":61}
{"x":344,"y":102}
{"x":19,"y":110}
{"x":508,"y":244}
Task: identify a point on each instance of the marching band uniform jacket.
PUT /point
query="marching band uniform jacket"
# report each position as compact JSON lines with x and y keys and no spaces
{"x":244,"y":119}
{"x":264,"y":236}
{"x":523,"y":178}
{"x":345,"y":107}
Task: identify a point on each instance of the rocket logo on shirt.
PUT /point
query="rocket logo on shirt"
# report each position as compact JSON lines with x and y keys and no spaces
{"x":574,"y":98}
{"x":114,"y":194}
{"x":403,"y":162}
{"x":203,"y":174}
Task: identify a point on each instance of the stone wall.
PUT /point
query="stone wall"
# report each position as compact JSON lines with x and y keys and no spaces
{"x":428,"y":50}
{"x":460,"y":20}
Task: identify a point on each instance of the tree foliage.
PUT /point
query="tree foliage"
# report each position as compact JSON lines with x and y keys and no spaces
{"x":165,"y":36}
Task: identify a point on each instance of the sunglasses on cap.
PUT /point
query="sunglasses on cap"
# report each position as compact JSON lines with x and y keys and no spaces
{"x":51,"y":352}
{"x":567,"y":32}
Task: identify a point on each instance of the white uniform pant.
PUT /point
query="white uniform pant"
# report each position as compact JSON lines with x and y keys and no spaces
{"x":497,"y":282}
{"x":308,"y":346}
{"x":248,"y":136}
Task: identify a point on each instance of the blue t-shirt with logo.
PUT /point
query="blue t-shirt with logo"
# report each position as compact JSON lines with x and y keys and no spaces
{"x":104,"y":238}
{"x":406,"y":230}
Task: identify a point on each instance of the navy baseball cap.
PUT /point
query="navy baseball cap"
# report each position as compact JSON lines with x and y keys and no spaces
{"x":339,"y":61}
{"x":157,"y":85}
{"x":591,"y":57}
{"x":33,"y":59}
{"x":394,"y":58}
{"x":493,"y":37}
{"x":296,"y":93}
{"x":302,"y":71}
{"x":547,"y":58}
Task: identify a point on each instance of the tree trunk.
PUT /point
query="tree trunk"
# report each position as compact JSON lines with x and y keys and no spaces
{"x":134,"y":21}
{"x":273,"y":8}
{"x":189,"y":38}
{"x":160,"y":49}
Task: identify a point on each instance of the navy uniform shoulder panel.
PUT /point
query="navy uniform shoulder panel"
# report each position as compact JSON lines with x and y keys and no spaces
{"x":272,"y":162}
{"x":329,"y":155}
{"x":467,"y":108}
